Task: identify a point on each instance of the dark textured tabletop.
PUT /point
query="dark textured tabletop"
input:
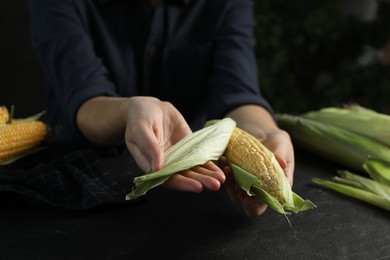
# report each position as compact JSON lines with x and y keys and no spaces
{"x":172,"y":225}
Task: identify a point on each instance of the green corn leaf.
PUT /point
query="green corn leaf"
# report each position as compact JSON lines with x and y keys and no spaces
{"x":363,"y":183}
{"x":360,"y":194}
{"x":357,"y":119}
{"x":334,"y":143}
{"x":353,"y":136}
{"x":252,"y":186}
{"x":204,"y":145}
{"x":378,"y":169}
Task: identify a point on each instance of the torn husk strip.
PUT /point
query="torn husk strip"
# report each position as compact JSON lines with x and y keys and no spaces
{"x":204,"y":145}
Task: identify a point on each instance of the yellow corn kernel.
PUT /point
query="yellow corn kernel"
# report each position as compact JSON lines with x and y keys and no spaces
{"x":244,"y":151}
{"x":20,"y":137}
{"x":4,"y":115}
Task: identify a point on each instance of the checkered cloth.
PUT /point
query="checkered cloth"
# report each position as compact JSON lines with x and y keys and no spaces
{"x":72,"y":177}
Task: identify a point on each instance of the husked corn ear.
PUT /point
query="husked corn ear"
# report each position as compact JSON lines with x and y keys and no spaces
{"x":245,"y":152}
{"x":4,"y":115}
{"x":20,"y":137}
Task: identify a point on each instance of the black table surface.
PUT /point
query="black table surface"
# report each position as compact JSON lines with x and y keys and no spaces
{"x":173,"y":225}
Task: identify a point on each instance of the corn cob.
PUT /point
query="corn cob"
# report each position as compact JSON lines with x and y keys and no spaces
{"x":247,"y":152}
{"x":222,"y":137}
{"x":4,"y":115}
{"x":20,"y":137}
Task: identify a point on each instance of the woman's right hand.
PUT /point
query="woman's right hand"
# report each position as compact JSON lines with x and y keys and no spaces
{"x":148,"y":127}
{"x":152,"y":127}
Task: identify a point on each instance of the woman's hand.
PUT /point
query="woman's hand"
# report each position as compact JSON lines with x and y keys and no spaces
{"x":258,"y":122}
{"x":252,"y":206}
{"x":208,"y":176}
{"x":148,"y":126}
{"x":152,"y":127}
{"x":278,"y":143}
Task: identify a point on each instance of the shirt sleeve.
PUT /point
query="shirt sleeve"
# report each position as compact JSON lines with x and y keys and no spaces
{"x":74,"y":73}
{"x":234,"y":80}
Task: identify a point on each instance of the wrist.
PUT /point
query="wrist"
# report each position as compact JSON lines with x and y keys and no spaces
{"x":255,"y":119}
{"x":102,"y":120}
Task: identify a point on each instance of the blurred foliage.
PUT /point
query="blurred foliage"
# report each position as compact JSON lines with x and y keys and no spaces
{"x":314,"y":53}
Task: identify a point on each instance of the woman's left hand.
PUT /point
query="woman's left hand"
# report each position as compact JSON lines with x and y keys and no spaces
{"x":258,"y":122}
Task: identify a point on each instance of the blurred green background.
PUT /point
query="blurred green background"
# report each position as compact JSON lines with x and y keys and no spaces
{"x":314,"y":53}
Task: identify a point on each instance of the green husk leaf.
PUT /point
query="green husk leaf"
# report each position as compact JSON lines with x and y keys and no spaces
{"x":357,"y":119}
{"x":360,"y":194}
{"x":331,"y":142}
{"x":204,"y":145}
{"x":252,"y":186}
{"x":363,"y":183}
{"x":378,"y":169}
{"x":35,"y":117}
{"x":22,"y":155}
{"x":30,"y":118}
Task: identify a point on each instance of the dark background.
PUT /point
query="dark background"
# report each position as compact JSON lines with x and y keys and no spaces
{"x":22,"y":79}
{"x":207,"y":225}
{"x":310,"y":53}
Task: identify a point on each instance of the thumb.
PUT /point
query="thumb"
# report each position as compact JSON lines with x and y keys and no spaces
{"x":149,"y":159}
{"x":281,"y":161}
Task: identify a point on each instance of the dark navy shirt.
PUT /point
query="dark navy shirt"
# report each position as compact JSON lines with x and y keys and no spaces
{"x":196,"y":54}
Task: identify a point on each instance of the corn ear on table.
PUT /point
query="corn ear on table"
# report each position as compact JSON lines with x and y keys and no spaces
{"x":172,"y":225}
{"x":19,"y":137}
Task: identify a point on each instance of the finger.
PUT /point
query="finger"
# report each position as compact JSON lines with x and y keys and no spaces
{"x":287,"y":165}
{"x":147,"y":160}
{"x":212,"y":170}
{"x":252,"y":206}
{"x":181,"y":183}
{"x":142,"y":162}
{"x":281,"y":161}
{"x":143,"y":145}
{"x":206,"y":181}
{"x":254,"y":209}
{"x":230,"y":185}
{"x":175,"y":126}
{"x":222,"y":162}
{"x":284,"y":154}
{"x":177,"y":130}
{"x":290,"y":173}
{"x":208,"y":176}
